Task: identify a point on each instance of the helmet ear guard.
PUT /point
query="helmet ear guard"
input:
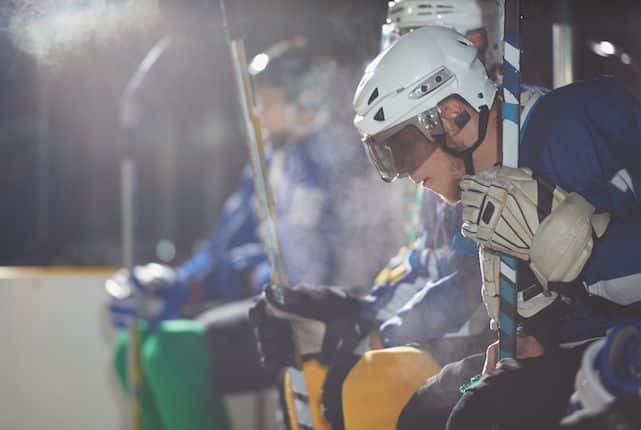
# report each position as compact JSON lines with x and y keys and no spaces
{"x":466,"y":154}
{"x":462,"y":119}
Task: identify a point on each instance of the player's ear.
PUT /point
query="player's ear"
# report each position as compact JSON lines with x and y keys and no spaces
{"x":455,"y":112}
{"x":479,"y":38}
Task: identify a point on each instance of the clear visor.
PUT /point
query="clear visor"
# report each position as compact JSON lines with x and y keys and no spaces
{"x":397,"y":152}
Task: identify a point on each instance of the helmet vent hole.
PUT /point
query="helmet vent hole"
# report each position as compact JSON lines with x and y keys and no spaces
{"x":465,"y":42}
{"x":372,"y":96}
{"x":480,"y":95}
{"x":380,"y":115}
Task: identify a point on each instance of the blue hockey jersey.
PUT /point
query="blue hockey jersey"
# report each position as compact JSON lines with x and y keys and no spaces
{"x":586,"y":138}
{"x":220,"y":266}
{"x":438,"y":294}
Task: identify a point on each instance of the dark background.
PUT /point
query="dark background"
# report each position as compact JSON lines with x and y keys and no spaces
{"x":60,"y":142}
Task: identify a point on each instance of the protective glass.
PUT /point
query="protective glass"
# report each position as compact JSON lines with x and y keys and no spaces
{"x":397,"y":151}
{"x":400,"y":150}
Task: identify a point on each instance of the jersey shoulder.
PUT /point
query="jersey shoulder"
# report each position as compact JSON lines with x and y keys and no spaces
{"x":573,"y":133}
{"x":563,"y":120}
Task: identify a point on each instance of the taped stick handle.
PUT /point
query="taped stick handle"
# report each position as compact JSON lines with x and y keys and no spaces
{"x":301,"y":414}
{"x":511,"y":268}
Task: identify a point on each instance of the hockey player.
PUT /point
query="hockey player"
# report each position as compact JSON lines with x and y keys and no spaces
{"x":301,"y":117}
{"x":412,"y":268}
{"x":437,"y":121}
{"x":443,"y":303}
{"x":481,"y":21}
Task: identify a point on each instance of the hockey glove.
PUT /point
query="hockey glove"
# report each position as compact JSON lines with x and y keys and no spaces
{"x":529,"y":395}
{"x":153,"y":292}
{"x":528,"y":305}
{"x":324,"y":323}
{"x":509,"y":211}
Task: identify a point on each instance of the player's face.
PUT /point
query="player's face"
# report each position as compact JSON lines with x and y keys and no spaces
{"x":271,"y":107}
{"x":441,"y":173}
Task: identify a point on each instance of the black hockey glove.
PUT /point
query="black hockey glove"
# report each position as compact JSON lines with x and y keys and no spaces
{"x":532,"y":394}
{"x":323,"y":322}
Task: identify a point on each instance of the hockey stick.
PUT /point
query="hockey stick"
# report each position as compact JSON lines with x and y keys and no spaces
{"x":301,"y":412}
{"x":129,"y":119}
{"x":510,"y":273}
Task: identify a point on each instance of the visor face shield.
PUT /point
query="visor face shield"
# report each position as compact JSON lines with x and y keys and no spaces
{"x":399,"y":152}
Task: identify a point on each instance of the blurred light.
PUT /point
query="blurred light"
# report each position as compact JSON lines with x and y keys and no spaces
{"x":625,"y":58}
{"x":603,"y":48}
{"x":47,"y":29}
{"x":165,"y":250}
{"x":258,"y":64}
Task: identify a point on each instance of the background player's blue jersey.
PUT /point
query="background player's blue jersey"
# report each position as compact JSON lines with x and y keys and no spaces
{"x":440,"y":286}
{"x":234,"y":247}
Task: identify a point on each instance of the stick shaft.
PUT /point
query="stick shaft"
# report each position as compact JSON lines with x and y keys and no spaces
{"x":134,"y":377}
{"x":509,"y":278}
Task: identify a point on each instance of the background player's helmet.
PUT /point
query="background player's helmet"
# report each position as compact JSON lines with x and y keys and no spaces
{"x":481,"y":21}
{"x":310,"y":79}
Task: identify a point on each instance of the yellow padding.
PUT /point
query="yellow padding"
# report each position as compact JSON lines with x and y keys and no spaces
{"x":381,"y":383}
{"x":314,"y":378}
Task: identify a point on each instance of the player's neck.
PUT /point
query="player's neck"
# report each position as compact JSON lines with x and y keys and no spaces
{"x":486,"y":155}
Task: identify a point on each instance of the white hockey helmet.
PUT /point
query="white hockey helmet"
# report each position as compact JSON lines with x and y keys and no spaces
{"x":397,"y":100}
{"x":476,"y":19}
{"x":461,"y":15}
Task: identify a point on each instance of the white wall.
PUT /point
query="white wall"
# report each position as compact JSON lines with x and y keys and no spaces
{"x":55,"y":356}
{"x":55,"y":353}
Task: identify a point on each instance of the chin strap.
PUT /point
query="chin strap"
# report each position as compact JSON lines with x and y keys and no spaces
{"x":466,"y":154}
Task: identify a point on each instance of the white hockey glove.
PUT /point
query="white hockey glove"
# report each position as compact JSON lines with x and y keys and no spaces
{"x":154,"y":293}
{"x":507,"y":210}
{"x":490,"y":291}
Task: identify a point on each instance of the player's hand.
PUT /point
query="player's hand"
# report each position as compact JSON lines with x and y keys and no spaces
{"x":526,"y":347}
{"x":153,"y":292}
